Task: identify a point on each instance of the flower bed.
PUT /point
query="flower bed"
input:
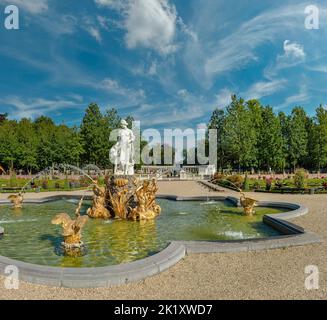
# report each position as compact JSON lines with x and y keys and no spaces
{"x":299,"y":184}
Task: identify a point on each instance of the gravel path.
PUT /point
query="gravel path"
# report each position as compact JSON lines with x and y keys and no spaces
{"x":274,"y":274}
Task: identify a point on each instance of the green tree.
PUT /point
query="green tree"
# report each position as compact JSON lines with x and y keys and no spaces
{"x":270,"y":141}
{"x":217,"y":122}
{"x":298,"y":136}
{"x":68,"y":148}
{"x":255,"y":109}
{"x":95,"y":143}
{"x":9,"y":145}
{"x":317,"y":146}
{"x":3,"y":117}
{"x":129,"y":120}
{"x":285,"y":130}
{"x":46,"y":149}
{"x":239,"y":134}
{"x":28,"y":141}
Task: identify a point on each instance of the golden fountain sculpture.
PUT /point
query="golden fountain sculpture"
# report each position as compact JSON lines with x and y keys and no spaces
{"x":147,"y":208}
{"x":72,"y":231}
{"x":125,"y":198}
{"x":120,"y":196}
{"x":98,"y":209}
{"x":248,"y":205}
{"x":16,"y":200}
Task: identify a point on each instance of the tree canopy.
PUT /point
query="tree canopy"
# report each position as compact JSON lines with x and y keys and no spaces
{"x":34,"y":145}
{"x":250,"y":136}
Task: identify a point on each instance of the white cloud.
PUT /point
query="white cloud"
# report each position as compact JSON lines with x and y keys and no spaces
{"x":189,"y":107}
{"x":93,"y":26}
{"x":103,"y":22}
{"x":144,"y":69}
{"x":293,"y":50}
{"x":183,"y":93}
{"x":237,"y":49}
{"x":148,"y":23}
{"x":296,"y":99}
{"x":216,"y":53}
{"x":151,"y":24}
{"x":293,"y":55}
{"x":95,"y":33}
{"x":263,"y":89}
{"x":224,"y":98}
{"x":186,"y":29}
{"x":30,"y":108}
{"x":32,"y":6}
{"x":112,"y":4}
{"x":318,"y":68}
{"x":172,"y":115}
{"x":130,"y":96}
{"x":104,"y":2}
{"x":153,"y":68}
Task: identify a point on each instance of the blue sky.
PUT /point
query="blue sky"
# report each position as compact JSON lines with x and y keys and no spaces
{"x":169,"y":63}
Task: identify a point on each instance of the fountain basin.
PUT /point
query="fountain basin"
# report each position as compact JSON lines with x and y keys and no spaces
{"x":275,"y":232}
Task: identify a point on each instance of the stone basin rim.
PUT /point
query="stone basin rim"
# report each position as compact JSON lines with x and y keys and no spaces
{"x":94,"y":277}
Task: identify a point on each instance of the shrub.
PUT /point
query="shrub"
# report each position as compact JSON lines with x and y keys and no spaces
{"x":269,"y":183}
{"x":236,"y":180}
{"x":299,"y":178}
{"x":45,"y":184}
{"x":218,"y":176}
{"x":256,"y":185}
{"x":67,"y":184}
{"x":279,"y":184}
{"x":84,"y":181}
{"x":13,"y":182}
{"x":246,"y":184}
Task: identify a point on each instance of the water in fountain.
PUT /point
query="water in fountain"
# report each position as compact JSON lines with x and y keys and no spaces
{"x":94,"y":168}
{"x":38,"y":175}
{"x":69,"y":166}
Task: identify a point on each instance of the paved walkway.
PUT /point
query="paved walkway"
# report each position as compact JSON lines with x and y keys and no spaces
{"x":274,"y":274}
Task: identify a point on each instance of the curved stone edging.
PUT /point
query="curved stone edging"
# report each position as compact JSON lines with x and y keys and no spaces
{"x":293,"y":235}
{"x":296,"y":210}
{"x":250,"y":245}
{"x":101,"y":276}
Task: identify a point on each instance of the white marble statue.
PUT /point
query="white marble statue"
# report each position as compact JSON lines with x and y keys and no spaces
{"x":122,"y":153}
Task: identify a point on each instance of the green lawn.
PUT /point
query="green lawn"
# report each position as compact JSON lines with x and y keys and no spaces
{"x":44,"y":185}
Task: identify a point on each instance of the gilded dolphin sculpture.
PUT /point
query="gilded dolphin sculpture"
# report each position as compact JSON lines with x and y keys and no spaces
{"x":16,"y":200}
{"x":248,"y":204}
{"x":71,"y":228}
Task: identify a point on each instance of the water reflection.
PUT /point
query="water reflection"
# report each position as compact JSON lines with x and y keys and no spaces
{"x":30,"y":236}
